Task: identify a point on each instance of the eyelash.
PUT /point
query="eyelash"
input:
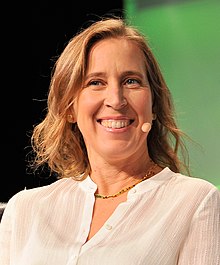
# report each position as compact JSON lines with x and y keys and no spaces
{"x":133,"y":80}
{"x":92,"y":83}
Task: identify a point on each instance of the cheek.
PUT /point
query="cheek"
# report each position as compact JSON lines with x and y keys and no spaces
{"x":141,"y":103}
{"x":86,"y":105}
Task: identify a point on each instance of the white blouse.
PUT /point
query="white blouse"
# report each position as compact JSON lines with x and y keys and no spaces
{"x":168,"y":219}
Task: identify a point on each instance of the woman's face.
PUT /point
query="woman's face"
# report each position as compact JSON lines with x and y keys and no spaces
{"x":115,"y":101}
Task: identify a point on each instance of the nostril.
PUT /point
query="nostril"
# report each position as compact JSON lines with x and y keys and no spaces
{"x":124,"y":102}
{"x":116,"y":104}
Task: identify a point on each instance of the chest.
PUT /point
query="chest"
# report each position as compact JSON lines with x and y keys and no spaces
{"x":102,"y":211}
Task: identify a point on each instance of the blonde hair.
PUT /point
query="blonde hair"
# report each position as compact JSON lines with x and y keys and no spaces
{"x":59,"y":143}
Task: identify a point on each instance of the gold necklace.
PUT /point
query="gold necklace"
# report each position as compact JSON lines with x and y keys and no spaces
{"x":149,"y":174}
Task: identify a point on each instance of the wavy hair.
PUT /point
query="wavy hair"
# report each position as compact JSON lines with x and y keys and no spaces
{"x":59,"y":143}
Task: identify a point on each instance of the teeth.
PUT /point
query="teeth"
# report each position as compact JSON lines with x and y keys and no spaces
{"x":115,"y":124}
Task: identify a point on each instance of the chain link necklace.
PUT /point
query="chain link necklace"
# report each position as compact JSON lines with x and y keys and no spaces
{"x":150,"y":173}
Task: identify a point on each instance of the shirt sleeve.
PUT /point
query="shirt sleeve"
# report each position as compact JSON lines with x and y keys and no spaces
{"x":202,"y":245}
{"x":5,"y":233}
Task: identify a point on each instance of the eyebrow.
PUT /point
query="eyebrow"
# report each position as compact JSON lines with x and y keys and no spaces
{"x":133,"y":73}
{"x":102,"y":74}
{"x":95,"y":74}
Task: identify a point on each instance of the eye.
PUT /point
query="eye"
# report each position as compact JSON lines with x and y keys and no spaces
{"x":132,"y":83}
{"x":95,"y":84}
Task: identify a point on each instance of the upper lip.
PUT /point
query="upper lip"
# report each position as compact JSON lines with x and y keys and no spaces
{"x":115,"y":118}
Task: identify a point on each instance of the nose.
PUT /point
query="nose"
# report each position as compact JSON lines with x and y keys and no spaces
{"x":115,"y":97}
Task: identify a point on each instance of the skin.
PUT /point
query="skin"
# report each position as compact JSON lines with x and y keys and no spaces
{"x":115,"y":89}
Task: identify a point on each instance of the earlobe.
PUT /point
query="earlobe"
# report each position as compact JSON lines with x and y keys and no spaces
{"x":70,"y":118}
{"x":154,"y":116}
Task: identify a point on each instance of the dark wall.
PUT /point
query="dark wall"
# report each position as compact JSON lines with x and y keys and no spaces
{"x":35,"y":38}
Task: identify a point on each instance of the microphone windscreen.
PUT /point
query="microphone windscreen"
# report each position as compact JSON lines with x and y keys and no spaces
{"x":146,"y":127}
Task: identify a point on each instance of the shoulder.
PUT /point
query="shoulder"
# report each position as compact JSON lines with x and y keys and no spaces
{"x":192,"y":187}
{"x":193,"y":182}
{"x":28,"y":206}
{"x":28,"y":197}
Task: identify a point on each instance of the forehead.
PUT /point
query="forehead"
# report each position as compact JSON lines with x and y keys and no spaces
{"x":120,"y":44}
{"x":115,"y":50}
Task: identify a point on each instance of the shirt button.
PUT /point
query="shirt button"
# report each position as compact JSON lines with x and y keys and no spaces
{"x":133,"y":191}
{"x":73,"y":257}
{"x":108,"y":226}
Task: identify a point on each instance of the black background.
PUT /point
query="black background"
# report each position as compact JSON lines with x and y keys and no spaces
{"x":32,"y":38}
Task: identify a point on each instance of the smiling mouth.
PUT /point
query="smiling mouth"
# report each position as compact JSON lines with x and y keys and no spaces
{"x":115,"y":124}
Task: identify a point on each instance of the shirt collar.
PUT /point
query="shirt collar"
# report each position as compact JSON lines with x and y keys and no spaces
{"x":157,"y":180}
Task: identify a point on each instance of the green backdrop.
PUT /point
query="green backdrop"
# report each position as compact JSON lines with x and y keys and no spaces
{"x":185,"y":38}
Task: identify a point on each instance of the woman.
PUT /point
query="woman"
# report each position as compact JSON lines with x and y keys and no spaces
{"x":111,"y":136}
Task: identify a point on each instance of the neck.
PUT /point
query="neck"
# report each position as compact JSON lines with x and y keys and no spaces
{"x":114,"y":179}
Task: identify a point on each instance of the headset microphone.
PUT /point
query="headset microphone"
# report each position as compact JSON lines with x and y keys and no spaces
{"x":146,"y":127}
